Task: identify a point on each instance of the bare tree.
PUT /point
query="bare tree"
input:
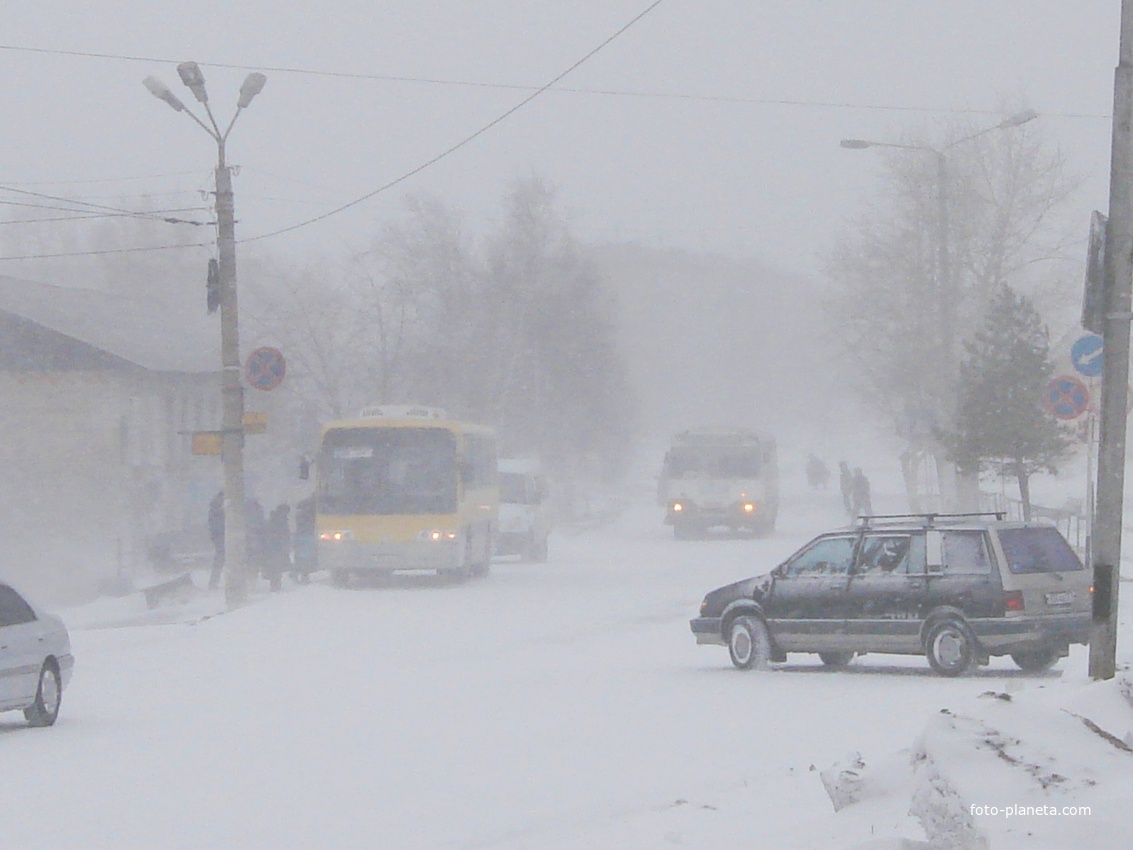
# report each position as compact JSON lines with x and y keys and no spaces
{"x":916,"y":270}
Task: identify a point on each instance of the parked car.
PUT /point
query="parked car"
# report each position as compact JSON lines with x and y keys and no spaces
{"x":35,"y":658}
{"x":525,"y":515}
{"x":956,"y":588}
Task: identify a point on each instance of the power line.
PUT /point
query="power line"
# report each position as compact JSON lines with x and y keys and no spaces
{"x":97,"y":180}
{"x":479,"y":84}
{"x":110,"y":251}
{"x":100,"y":207}
{"x":466,"y":139}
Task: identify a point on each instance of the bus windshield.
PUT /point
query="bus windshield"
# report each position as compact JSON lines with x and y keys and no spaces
{"x":703,"y":462}
{"x":387,"y":471}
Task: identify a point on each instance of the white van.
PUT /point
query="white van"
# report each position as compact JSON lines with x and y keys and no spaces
{"x":525,"y":517}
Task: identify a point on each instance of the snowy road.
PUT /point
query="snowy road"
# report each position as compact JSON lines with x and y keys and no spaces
{"x":552,"y":706}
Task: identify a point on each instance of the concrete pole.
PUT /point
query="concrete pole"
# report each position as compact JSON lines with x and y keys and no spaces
{"x":1118,"y":280}
{"x":232,"y":447}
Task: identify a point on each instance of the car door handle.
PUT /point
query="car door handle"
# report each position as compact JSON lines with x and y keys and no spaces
{"x":917,"y":584}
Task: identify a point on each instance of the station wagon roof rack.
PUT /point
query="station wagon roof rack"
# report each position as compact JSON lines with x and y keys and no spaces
{"x":928,"y":520}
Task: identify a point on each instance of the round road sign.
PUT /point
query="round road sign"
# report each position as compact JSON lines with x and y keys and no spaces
{"x":265,"y":368}
{"x":1066,"y":397}
{"x":1087,"y":356}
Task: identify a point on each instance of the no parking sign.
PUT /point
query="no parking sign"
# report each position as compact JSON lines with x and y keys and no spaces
{"x":265,"y":368}
{"x":1066,"y":397}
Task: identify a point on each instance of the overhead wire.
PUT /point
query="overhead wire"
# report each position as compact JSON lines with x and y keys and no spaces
{"x":481,"y":84}
{"x":467,"y":139}
{"x":103,"y":207}
{"x":452,"y":148}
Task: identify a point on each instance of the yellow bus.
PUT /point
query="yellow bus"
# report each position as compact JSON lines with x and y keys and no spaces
{"x":405,"y":489}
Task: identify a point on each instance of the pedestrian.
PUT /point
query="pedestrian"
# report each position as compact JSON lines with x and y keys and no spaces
{"x":862,"y":503}
{"x":817,"y":473}
{"x":216,"y":535}
{"x":846,"y":481}
{"x":306,"y":541}
{"x":255,"y":530}
{"x":277,"y":546}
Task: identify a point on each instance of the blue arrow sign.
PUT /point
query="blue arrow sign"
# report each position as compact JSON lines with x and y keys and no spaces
{"x":1088,"y":356}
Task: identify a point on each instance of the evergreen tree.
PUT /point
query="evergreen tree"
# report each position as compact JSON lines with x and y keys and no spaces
{"x":1000,"y":419}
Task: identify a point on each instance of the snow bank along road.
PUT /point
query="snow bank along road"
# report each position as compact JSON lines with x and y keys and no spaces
{"x":556,"y":705}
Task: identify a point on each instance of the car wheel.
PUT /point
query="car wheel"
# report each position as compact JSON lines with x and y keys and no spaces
{"x":1036,"y":660}
{"x":48,"y":695}
{"x":836,"y":659}
{"x":339,"y":578}
{"x":950,"y":648}
{"x":749,"y":643}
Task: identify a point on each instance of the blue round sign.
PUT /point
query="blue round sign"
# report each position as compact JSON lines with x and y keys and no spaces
{"x":1088,"y":356}
{"x":265,"y":368}
{"x":1067,"y":397}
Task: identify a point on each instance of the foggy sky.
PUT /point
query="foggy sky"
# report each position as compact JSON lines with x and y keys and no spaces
{"x":765,"y":180}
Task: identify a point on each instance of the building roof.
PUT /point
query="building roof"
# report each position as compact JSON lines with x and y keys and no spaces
{"x":160,"y":337}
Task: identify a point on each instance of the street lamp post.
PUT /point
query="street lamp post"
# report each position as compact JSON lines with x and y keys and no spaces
{"x":232,"y":426}
{"x":946,"y":288}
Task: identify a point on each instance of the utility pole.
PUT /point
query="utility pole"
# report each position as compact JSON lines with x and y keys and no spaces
{"x":232,"y":424}
{"x":1117,"y":276}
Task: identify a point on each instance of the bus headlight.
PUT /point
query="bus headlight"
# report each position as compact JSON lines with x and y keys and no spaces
{"x":436,"y":535}
{"x":749,"y":507}
{"x":336,"y":536}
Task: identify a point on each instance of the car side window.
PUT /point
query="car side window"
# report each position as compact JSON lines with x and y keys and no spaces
{"x":891,"y":554}
{"x":966,"y":553}
{"x":13,"y":609}
{"x":829,"y":556}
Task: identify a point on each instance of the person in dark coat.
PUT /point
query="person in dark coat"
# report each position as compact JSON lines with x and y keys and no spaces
{"x":817,"y":473}
{"x":306,"y":541}
{"x":862,"y":503}
{"x":846,"y":481}
{"x":277,"y":546}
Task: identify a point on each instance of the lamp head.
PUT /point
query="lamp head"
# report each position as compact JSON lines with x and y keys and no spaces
{"x":855,"y":144}
{"x":161,"y":91}
{"x":194,"y":80}
{"x":252,"y":86}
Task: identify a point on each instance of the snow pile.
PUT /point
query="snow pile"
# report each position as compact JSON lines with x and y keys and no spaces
{"x":1050,"y":767}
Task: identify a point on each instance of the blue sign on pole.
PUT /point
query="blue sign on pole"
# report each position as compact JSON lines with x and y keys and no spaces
{"x":1088,"y":356}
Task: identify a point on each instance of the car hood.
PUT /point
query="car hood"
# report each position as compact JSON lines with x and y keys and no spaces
{"x":749,"y":588}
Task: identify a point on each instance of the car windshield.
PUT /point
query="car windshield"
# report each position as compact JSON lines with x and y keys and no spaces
{"x":387,"y":471}
{"x":1037,"y":550}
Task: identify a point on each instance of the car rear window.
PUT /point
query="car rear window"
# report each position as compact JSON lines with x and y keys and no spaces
{"x":1037,"y":550}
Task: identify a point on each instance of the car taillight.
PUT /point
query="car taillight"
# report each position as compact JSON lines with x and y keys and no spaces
{"x":1013,"y":600}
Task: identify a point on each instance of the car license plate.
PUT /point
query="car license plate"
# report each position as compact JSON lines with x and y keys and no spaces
{"x":1062,"y":597}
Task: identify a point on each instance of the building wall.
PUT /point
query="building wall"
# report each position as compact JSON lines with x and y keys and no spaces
{"x":93,"y":468}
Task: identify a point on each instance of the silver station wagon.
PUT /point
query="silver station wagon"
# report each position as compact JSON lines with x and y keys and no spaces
{"x":956,"y":588}
{"x":35,"y":659}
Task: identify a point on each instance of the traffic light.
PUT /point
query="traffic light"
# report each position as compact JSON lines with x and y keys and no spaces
{"x":213,"y":286}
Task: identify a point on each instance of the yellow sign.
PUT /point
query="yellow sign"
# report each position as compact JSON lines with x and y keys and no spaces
{"x":207,"y":442}
{"x":255,"y":423}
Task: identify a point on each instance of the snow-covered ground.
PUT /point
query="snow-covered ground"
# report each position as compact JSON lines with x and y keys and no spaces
{"x":553,"y":706}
